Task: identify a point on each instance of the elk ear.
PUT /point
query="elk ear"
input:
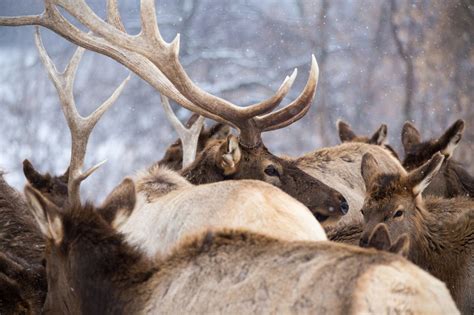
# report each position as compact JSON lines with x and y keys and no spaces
{"x":369,"y":169}
{"x":401,"y":246}
{"x":119,"y":204}
{"x":46,"y":214}
{"x":451,"y":138}
{"x":380,"y":238}
{"x":36,"y":179}
{"x":219,"y":131}
{"x":229,"y":155}
{"x":345,"y":131}
{"x":379,"y":137}
{"x":421,"y":177}
{"x":410,"y":136}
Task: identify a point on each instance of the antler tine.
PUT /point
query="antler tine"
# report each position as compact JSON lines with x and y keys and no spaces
{"x":296,"y":109}
{"x":189,"y":136}
{"x":80,"y":127}
{"x":113,"y":15}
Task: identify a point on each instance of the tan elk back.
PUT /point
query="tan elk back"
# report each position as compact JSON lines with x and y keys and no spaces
{"x":169,"y":208}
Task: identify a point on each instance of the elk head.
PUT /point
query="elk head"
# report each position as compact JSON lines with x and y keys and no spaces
{"x":228,"y":159}
{"x":418,"y":152}
{"x":394,"y":199}
{"x":157,"y":62}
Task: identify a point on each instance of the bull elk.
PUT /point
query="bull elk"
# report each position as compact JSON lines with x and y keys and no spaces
{"x":440,"y":231}
{"x":157,"y":62}
{"x":176,"y":207}
{"x":452,"y":180}
{"x":231,"y":271}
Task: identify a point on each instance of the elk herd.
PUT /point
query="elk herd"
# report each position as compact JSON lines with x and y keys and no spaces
{"x":221,"y":224}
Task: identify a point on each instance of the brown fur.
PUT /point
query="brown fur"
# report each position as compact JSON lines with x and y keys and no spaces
{"x":22,"y":277}
{"x":346,"y":233}
{"x":92,"y":271}
{"x":452,"y":180}
{"x":441,"y":231}
{"x":255,"y":163}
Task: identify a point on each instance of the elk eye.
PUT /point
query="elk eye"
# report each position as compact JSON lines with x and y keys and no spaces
{"x":270,"y":170}
{"x":362,"y":211}
{"x":397,"y":214}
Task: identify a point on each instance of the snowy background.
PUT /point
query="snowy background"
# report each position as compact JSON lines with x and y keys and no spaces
{"x":380,"y":62}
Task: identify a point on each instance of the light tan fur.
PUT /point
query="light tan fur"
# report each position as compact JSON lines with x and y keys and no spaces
{"x":169,"y":208}
{"x":271,"y":277}
{"x":406,"y":285}
{"x":339,"y":168}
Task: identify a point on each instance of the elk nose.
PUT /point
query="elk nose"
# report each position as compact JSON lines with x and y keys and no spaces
{"x":344,"y":207}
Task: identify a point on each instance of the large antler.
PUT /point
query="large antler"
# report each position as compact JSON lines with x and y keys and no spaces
{"x":189,"y":135}
{"x":156,"y":61}
{"x":80,"y":127}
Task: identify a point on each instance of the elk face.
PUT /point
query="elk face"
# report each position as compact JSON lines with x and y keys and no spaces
{"x":54,"y":188}
{"x":235,"y":161}
{"x":394,"y":199}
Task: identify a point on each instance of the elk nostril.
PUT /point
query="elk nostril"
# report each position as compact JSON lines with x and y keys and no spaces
{"x":344,"y":207}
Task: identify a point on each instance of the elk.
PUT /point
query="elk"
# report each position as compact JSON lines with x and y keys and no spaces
{"x":22,"y":275}
{"x":452,"y":180}
{"x":232,"y":271}
{"x":157,"y":62}
{"x":346,"y":134}
{"x":440,"y":231}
